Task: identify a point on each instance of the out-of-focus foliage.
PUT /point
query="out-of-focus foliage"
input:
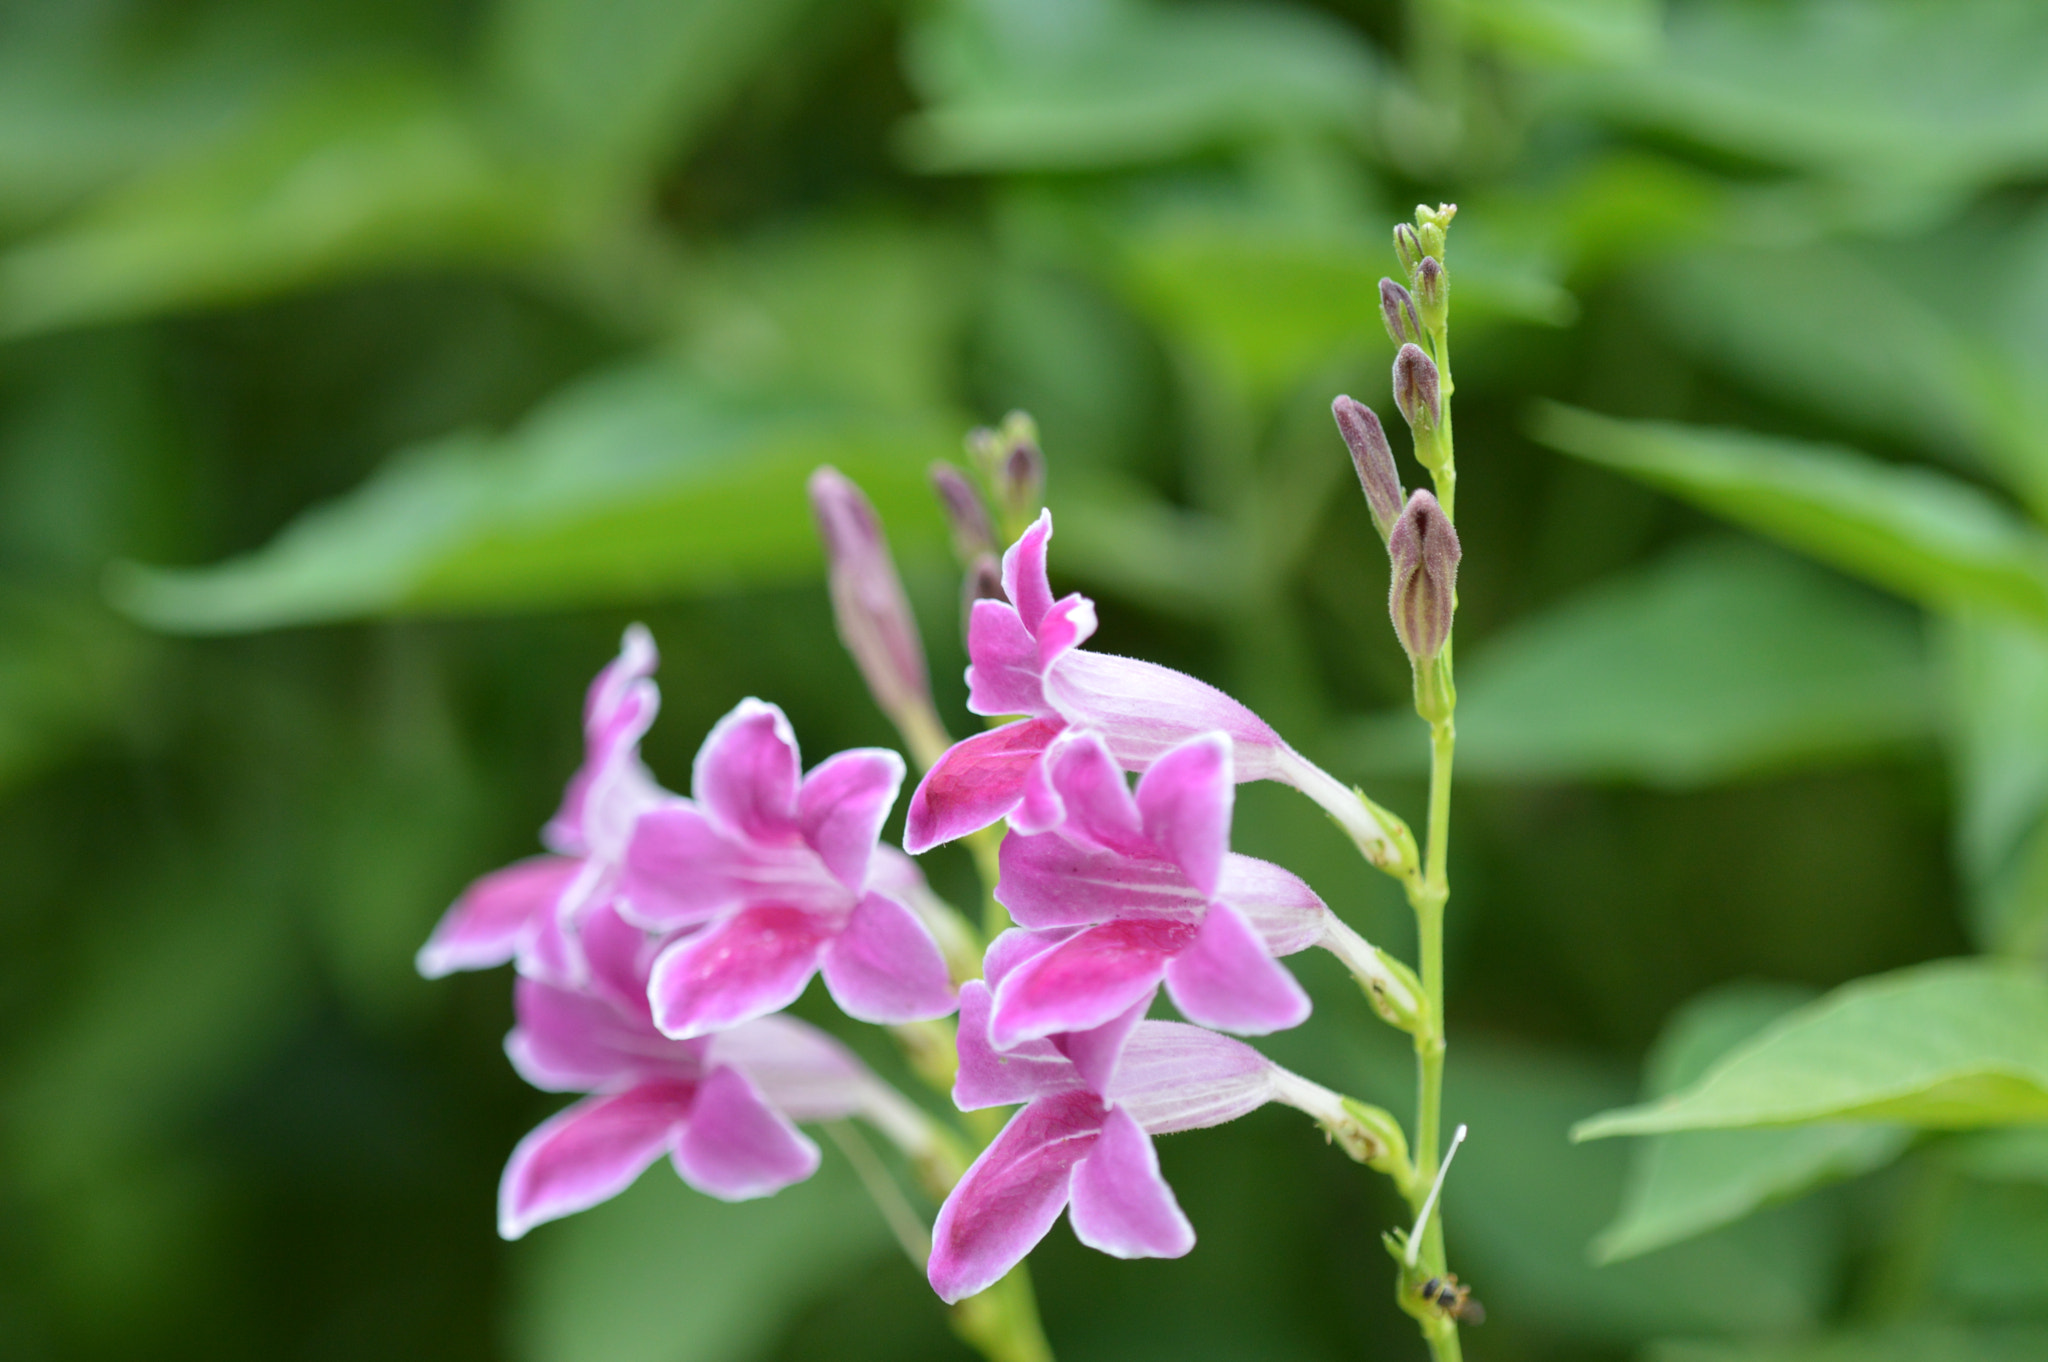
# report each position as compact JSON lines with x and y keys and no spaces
{"x":367,"y":364}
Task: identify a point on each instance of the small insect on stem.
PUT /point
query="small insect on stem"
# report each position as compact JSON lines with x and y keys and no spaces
{"x":1452,"y":1299}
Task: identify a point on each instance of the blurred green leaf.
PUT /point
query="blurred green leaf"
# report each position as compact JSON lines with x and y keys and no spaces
{"x":1591,"y":32}
{"x":1081,"y":84}
{"x":377,"y":170}
{"x":636,"y":483}
{"x":1925,"y":536}
{"x":1522,"y":1202}
{"x":1940,"y":95}
{"x":1952,"y":1044}
{"x":2017,"y":1154}
{"x":67,"y":671}
{"x":1988,"y":1258}
{"x":665,"y":1274}
{"x":1724,"y":660}
{"x":1901,"y":1343}
{"x":611,"y":86}
{"x":1998,"y":724}
{"x":1688,"y":1183}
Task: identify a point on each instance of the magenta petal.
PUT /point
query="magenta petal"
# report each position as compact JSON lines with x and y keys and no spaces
{"x":570,"y":1041}
{"x":617,"y":710}
{"x":680,"y":867}
{"x":975,"y":782}
{"x":798,"y":1069}
{"x":1041,"y":809}
{"x":1145,"y":710}
{"x":1096,"y":1052}
{"x":1178,"y":1077}
{"x":842,"y":805}
{"x":1003,"y":669}
{"x":746,"y":773}
{"x":736,"y":1147}
{"x":988,"y":1077}
{"x":1226,"y":980}
{"x":884,"y":966}
{"x":1052,"y":881}
{"x":1011,"y":1194}
{"x":1185,"y":800}
{"x":1024,"y":576}
{"x":1278,"y":904}
{"x":487,"y":925}
{"x":1070,"y":623}
{"x":1084,"y":981}
{"x":753,"y":963}
{"x":588,"y":1153}
{"x":1121,"y":1205}
{"x":1098,"y":803}
{"x":1014,"y":945}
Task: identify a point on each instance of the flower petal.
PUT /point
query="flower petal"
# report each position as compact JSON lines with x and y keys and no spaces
{"x":618,"y":709}
{"x":1014,"y":945}
{"x":797,"y":1069}
{"x":884,"y":966}
{"x":736,"y":1147}
{"x":589,"y":1153}
{"x":1099,"y":807}
{"x":1070,"y":623}
{"x":570,"y":1041}
{"x":753,"y":963}
{"x":1226,"y":980}
{"x":1052,"y":881}
{"x":1185,"y":799}
{"x":975,"y":782}
{"x":1003,"y":669}
{"x":1179,"y":1077}
{"x":988,"y":1077}
{"x":1277,"y":903}
{"x":1011,"y":1194}
{"x":746,"y":773}
{"x":1121,"y":1205}
{"x":681,"y":867}
{"x":487,"y":925}
{"x":841,"y":807}
{"x":1084,"y":981}
{"x":1024,"y":575}
{"x":1144,"y":710}
{"x":1097,"y":1051}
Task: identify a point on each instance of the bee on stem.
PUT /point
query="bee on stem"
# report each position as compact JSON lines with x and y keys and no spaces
{"x":1452,"y":1299}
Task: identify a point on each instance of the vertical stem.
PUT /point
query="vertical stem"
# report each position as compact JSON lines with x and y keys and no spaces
{"x":1429,"y":901}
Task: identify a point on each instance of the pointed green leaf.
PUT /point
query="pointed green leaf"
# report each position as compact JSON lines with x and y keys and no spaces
{"x":1688,"y":1183}
{"x":1928,"y":537}
{"x":1948,"y":1045}
{"x":1726,"y":659}
{"x":1998,"y":726}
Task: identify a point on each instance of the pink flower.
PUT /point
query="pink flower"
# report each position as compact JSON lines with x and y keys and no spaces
{"x":722,"y":1108}
{"x":1083,"y":1141}
{"x":530,"y":910}
{"x":1027,"y":660}
{"x":781,"y":871}
{"x":1133,"y":891}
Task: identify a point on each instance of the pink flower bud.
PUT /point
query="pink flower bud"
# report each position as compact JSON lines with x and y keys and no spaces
{"x":1373,"y":458}
{"x":1417,"y":390}
{"x":1397,"y":310}
{"x":1425,"y":553}
{"x":966,"y":516}
{"x":873,"y":614}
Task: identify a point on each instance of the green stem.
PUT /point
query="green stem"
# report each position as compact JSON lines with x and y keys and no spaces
{"x":1429,"y":900}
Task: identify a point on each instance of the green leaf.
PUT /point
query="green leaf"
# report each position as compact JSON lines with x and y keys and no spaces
{"x":1998,"y":726}
{"x":637,"y":483}
{"x":379,"y":169}
{"x":1078,"y":84}
{"x":1724,"y":660}
{"x":67,"y":668}
{"x":1988,"y":1255}
{"x":1574,"y":32}
{"x":1928,"y":537}
{"x":1948,"y":1045}
{"x":1936,"y":96}
{"x":665,"y":1274}
{"x":1688,"y":1183}
{"x":1902,"y":1343}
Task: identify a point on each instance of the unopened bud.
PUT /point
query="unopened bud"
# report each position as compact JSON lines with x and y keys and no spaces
{"x":1397,"y":310}
{"x":1424,"y":550}
{"x":1374,"y":460}
{"x":1432,"y":293}
{"x":966,"y":516}
{"x":1012,"y":463}
{"x":983,"y":582}
{"x":1417,"y":391}
{"x":1430,"y":226}
{"x":871,"y":610}
{"x":1408,"y":246}
{"x":1376,"y":1139}
{"x":1022,"y":485}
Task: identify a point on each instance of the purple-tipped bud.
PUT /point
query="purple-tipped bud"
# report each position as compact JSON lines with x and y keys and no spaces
{"x":1432,"y":293}
{"x":1417,"y":390}
{"x":873,"y":614}
{"x":1021,"y":486}
{"x":1408,"y":246}
{"x":966,"y":516}
{"x":1373,"y":458}
{"x":983,"y":582}
{"x":1425,"y":553}
{"x":1397,"y":310}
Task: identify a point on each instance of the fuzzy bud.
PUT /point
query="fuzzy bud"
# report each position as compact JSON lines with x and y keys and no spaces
{"x":1397,"y":310}
{"x":869,"y":606}
{"x":1432,"y":292}
{"x":966,"y":516}
{"x":983,"y":582}
{"x":1424,"y":550}
{"x":1408,"y":246}
{"x":1374,"y":460}
{"x":1417,"y":390}
{"x":1021,"y":485}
